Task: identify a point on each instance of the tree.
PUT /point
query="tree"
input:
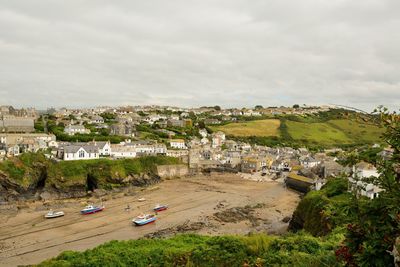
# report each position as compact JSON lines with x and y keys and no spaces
{"x":296,"y":106}
{"x":258,"y":107}
{"x":217,"y":108}
{"x":376,"y":224}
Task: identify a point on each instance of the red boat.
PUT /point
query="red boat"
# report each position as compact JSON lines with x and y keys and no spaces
{"x":159,"y":207}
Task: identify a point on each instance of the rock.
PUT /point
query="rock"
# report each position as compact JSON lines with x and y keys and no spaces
{"x":286,"y":219}
{"x":99,"y":192}
{"x":45,"y":195}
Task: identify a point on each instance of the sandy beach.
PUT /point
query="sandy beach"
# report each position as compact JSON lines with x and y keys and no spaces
{"x":215,"y":204}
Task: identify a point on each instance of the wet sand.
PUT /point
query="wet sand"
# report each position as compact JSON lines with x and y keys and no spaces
{"x":27,"y":238}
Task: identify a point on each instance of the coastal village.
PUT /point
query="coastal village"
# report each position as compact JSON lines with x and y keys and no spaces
{"x":184,"y":133}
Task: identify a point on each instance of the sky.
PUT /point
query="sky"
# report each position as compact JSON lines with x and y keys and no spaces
{"x":233,"y":53}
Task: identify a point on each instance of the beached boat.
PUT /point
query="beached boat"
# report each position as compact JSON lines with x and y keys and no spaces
{"x":141,"y":199}
{"x":160,"y":207}
{"x":54,"y":214}
{"x":89,"y":209}
{"x":144,"y":219}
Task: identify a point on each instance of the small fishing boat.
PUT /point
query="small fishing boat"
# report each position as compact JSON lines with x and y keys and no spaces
{"x":144,"y":219}
{"x":160,"y":207}
{"x":54,"y":214}
{"x":89,"y":209}
{"x":141,"y":199}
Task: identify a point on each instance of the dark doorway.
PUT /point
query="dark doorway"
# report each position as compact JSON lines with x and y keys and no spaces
{"x":91,"y":182}
{"x":42,"y":179}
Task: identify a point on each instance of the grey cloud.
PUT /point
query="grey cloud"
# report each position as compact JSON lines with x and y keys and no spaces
{"x":191,"y":53}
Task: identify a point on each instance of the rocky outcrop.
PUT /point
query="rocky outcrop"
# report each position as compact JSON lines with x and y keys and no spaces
{"x":145,"y":180}
{"x":9,"y":190}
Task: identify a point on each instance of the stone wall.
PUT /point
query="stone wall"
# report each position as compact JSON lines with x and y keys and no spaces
{"x":170,"y":171}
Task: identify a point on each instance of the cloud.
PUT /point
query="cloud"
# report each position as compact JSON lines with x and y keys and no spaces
{"x":190,"y":53}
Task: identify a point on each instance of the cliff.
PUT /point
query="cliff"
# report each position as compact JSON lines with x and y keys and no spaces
{"x":319,"y":212}
{"x":31,"y":175}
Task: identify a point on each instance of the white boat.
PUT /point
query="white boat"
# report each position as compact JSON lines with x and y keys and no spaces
{"x":54,"y":214}
{"x":141,"y":199}
{"x":144,"y":219}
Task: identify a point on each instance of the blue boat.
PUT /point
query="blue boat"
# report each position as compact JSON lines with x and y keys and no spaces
{"x":89,"y":209}
{"x":144,"y":219}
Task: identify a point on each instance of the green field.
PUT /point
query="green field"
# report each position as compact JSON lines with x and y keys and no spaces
{"x":317,"y":133}
{"x":251,"y":128}
{"x":325,"y":133}
{"x":334,"y":132}
{"x":358,"y":130}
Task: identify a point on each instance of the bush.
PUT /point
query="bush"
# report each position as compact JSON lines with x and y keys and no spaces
{"x":195,"y":250}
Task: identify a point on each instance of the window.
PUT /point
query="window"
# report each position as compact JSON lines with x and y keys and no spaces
{"x":82,"y":154}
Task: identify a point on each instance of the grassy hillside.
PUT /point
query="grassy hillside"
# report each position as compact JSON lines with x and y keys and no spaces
{"x":318,"y":131}
{"x":105,"y":171}
{"x":193,"y":250}
{"x":357,"y":130}
{"x":251,"y":128}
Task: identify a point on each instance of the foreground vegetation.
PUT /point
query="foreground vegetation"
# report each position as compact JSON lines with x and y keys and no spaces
{"x":319,"y":212}
{"x":193,"y":250}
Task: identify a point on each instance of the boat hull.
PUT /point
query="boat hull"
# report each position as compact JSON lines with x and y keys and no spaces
{"x":54,"y":216}
{"x":160,"y":208}
{"x":144,"y":222}
{"x":91,"y":211}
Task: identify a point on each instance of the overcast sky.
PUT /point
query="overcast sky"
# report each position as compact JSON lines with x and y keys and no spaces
{"x":189,"y":53}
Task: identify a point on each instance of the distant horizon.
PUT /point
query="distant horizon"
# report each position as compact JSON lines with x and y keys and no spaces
{"x":190,"y":107}
{"x":234,"y":53}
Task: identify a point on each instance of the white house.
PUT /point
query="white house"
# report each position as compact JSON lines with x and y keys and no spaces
{"x":218,"y":139}
{"x":121,"y":151}
{"x":309,"y":162}
{"x":204,"y":141}
{"x":177,"y":153}
{"x":135,"y":149}
{"x":97,"y":120}
{"x":147,"y":148}
{"x":361,"y":172}
{"x":80,"y":152}
{"x":76,"y":129}
{"x":203,"y":133}
{"x":177,"y":143}
{"x":104,"y":147}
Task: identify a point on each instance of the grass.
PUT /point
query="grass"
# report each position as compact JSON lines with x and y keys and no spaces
{"x":268,"y":127}
{"x":299,"y":249}
{"x":321,"y":130}
{"x":358,"y":130}
{"x":319,"y":212}
{"x":317,"y":133}
{"x":27,"y":169}
{"x":68,"y":173}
